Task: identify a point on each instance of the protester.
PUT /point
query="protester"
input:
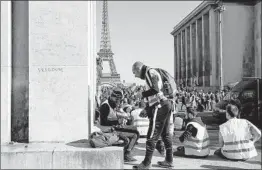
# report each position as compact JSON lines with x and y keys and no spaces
{"x":195,"y":138}
{"x":109,"y":115}
{"x":183,"y":103}
{"x":237,"y":136}
{"x":158,"y":111}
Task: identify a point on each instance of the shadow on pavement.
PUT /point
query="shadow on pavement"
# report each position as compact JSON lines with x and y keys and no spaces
{"x":210,"y":158}
{"x":157,"y":166}
{"x":82,"y":143}
{"x":152,"y":165}
{"x":132,"y":163}
{"x":140,"y":152}
{"x":219,"y":167}
{"x":254,"y":162}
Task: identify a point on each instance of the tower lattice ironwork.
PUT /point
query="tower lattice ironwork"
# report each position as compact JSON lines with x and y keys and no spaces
{"x":105,"y":53}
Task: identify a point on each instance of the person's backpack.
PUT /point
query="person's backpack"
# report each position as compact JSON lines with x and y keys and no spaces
{"x":169,"y":84}
{"x":101,"y":139}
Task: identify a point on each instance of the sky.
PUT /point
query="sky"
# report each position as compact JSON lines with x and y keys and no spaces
{"x":140,"y":31}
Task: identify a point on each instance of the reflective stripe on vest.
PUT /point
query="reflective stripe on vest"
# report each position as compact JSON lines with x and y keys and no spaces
{"x":237,"y":143}
{"x":199,"y":145}
{"x":144,"y":122}
{"x":112,"y":114}
{"x":157,"y":97}
{"x":137,"y":120}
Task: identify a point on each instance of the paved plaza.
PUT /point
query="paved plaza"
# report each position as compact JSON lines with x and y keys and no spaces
{"x":211,"y":162}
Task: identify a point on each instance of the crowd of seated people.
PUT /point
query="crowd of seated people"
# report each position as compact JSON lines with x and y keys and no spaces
{"x":236,"y":136}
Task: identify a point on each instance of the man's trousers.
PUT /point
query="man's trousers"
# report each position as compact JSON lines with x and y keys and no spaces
{"x":159,"y":126}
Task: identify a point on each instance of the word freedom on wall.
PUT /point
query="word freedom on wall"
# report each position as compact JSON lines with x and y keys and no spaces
{"x":50,"y":69}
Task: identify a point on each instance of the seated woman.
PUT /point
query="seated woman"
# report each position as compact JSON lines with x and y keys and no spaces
{"x":195,"y":138}
{"x":110,"y":115}
{"x":237,"y":137}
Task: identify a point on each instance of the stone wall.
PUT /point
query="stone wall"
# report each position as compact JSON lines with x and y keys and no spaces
{"x":238,"y":42}
{"x":48,"y":70}
{"x":257,"y":38}
{"x":60,"y":90}
{"x":6,"y":67}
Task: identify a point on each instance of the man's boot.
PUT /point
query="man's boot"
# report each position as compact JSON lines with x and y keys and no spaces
{"x":165,"y":164}
{"x":142,"y":166}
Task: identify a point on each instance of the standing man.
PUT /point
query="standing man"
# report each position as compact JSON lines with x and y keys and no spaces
{"x":158,"y":111}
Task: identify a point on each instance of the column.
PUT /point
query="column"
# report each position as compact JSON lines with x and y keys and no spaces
{"x":92,"y":69}
{"x":178,"y":59}
{"x":189,"y":63}
{"x":61,"y":68}
{"x":175,"y":58}
{"x":200,"y":50}
{"x":203,"y":51}
{"x":191,"y":55}
{"x":207,"y":54}
{"x":194,"y":55}
{"x":186,"y":56}
{"x":181,"y":57}
{"x":212,"y":40}
{"x":20,"y":72}
{"x":197,"y":52}
{"x":6,"y":64}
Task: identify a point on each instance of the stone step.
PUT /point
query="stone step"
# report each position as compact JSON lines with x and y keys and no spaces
{"x":76,"y":155}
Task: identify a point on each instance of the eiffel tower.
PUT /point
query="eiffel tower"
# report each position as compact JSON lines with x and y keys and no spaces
{"x":105,"y":53}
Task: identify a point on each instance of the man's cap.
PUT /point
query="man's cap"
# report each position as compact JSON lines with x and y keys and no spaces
{"x":117,"y":92}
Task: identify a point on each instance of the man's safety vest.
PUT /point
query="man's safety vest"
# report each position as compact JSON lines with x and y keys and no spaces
{"x":112,"y":113}
{"x":149,"y":83}
{"x":199,"y":145}
{"x":237,"y":139}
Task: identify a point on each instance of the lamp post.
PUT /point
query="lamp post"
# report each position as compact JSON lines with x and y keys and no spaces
{"x":220,"y":8}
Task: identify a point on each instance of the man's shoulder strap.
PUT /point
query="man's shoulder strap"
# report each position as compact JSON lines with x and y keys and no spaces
{"x":149,"y":77}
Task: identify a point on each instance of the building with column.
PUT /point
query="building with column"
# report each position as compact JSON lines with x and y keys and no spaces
{"x":197,"y":56}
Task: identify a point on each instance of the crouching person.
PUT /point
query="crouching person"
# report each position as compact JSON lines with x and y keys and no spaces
{"x":237,"y":137}
{"x":195,"y":138}
{"x":110,"y":116}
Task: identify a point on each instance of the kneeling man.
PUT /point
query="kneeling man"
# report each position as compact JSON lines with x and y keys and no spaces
{"x":195,"y":138}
